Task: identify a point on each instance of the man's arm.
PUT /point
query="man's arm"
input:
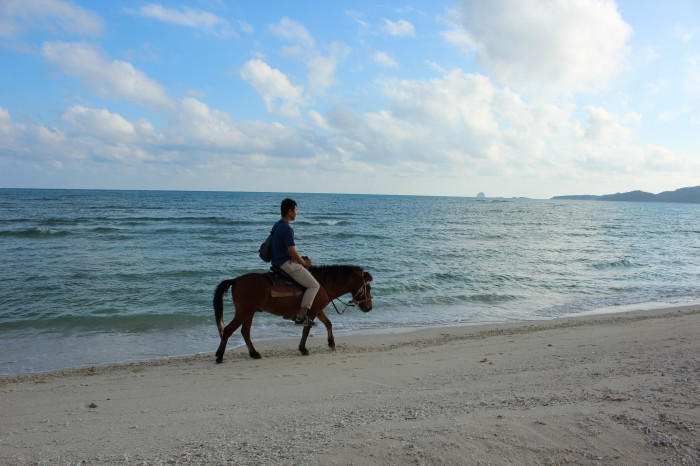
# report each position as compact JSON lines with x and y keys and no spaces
{"x":297,"y":258}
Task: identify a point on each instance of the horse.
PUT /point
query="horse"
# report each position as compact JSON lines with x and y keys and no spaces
{"x":253,"y":292}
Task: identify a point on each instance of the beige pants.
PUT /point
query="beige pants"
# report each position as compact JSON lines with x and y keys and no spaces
{"x":302,"y":276}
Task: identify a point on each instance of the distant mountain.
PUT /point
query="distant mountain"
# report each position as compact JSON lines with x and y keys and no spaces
{"x":679,"y":195}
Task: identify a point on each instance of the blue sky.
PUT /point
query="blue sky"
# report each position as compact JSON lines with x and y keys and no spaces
{"x":506,"y":97}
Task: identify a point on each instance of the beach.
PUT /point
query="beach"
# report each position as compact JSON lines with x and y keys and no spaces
{"x":598,"y":389}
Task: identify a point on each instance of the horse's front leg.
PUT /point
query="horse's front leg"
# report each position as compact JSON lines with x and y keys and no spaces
{"x":329,"y":327}
{"x":302,"y":343}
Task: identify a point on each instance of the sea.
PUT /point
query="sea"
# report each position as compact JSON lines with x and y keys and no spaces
{"x":94,"y":276}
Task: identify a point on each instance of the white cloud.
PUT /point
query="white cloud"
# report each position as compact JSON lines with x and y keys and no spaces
{"x":293,"y":31}
{"x":692,"y":75}
{"x":207,"y":126}
{"x":654,"y":88}
{"x":274,"y":87}
{"x":318,"y":119}
{"x":18,"y":16}
{"x":671,"y":115}
{"x":321,"y":74}
{"x":660,"y":158}
{"x":23,"y":137}
{"x":108,"y":78}
{"x":549,"y":47}
{"x":435,"y":66}
{"x":201,"y":129}
{"x":457,"y":99}
{"x":383,"y":59}
{"x":246,"y":27}
{"x":99,"y":122}
{"x":680,"y":32}
{"x":110,"y":128}
{"x":4,"y":116}
{"x":320,"y":68}
{"x":632,"y":117}
{"x":603,"y":126}
{"x":28,"y":142}
{"x":357,"y":17}
{"x":190,"y":18}
{"x":400,"y":28}
{"x":463,"y":126}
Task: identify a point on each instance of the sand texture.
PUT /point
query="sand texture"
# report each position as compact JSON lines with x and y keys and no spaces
{"x":603,"y":389}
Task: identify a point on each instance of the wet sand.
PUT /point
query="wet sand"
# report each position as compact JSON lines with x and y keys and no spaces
{"x":600,"y":389}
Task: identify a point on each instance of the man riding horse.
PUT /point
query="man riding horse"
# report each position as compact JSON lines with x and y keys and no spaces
{"x":253,"y":292}
{"x":286,"y":257}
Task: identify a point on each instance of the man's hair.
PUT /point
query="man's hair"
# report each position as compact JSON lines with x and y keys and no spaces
{"x":287,"y":205}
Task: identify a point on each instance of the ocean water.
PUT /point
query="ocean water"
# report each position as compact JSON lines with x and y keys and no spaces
{"x":91,"y":277}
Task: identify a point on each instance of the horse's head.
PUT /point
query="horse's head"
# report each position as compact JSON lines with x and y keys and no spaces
{"x":362,"y":296}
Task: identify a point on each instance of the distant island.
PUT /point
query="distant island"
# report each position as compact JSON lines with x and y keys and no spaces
{"x":679,"y":195}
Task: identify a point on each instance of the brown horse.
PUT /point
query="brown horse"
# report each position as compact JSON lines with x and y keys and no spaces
{"x":253,"y":292}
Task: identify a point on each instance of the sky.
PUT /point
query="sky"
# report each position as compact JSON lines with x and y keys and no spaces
{"x":532,"y":98}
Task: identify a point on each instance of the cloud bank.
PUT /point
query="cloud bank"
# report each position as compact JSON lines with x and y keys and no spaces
{"x":438,"y":131}
{"x":548,"y":47}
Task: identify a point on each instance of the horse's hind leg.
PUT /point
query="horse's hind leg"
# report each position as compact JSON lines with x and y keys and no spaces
{"x":228,"y":331}
{"x":329,"y":327}
{"x":245,"y":331}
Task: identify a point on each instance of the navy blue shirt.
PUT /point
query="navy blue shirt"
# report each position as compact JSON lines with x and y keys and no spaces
{"x":282,"y":238}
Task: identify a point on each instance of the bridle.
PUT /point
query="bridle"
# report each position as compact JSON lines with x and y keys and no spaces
{"x":353,"y":302}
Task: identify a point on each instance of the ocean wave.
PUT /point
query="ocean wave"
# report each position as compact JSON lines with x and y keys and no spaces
{"x":166,"y":231}
{"x":186,"y":220}
{"x":166,"y":274}
{"x":624,"y":262}
{"x":135,"y":323}
{"x":345,"y":235}
{"x":50,"y":222}
{"x":141,"y":220}
{"x":33,"y":233}
{"x":327,"y":222}
{"x":332,"y":215}
{"x":487,"y":298}
{"x":12,"y":221}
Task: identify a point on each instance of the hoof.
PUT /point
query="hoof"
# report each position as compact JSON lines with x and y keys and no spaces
{"x":331,"y":344}
{"x":254,"y":355}
{"x":219,"y":359}
{"x":304,"y":351}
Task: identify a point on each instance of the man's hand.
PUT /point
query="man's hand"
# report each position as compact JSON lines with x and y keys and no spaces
{"x":305,"y":261}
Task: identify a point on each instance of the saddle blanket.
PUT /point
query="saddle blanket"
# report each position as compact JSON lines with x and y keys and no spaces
{"x":282,"y":285}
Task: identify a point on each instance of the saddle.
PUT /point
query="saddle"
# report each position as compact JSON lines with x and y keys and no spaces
{"x":283,"y":286}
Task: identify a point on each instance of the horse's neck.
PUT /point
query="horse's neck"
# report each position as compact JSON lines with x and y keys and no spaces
{"x":336,"y":290}
{"x":336,"y":282}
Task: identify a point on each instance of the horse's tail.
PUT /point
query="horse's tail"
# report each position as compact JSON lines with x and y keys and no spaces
{"x":219,"y":303}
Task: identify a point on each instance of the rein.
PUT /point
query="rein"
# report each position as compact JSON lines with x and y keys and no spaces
{"x":352,"y":302}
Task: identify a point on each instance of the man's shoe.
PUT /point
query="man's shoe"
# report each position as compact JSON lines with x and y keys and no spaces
{"x":302,"y":321}
{"x":306,"y":322}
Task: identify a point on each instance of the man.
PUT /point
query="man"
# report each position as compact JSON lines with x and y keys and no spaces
{"x":286,"y":257}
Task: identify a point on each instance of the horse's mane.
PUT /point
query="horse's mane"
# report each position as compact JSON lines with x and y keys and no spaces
{"x":333,"y":273}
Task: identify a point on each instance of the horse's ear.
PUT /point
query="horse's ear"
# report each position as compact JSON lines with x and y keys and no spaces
{"x":367,"y":276}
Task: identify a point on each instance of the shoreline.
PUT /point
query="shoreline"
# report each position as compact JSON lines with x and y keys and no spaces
{"x":613,"y":388}
{"x":320,"y":332}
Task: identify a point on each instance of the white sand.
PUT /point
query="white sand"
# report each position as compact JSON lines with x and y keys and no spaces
{"x":617,"y":388}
